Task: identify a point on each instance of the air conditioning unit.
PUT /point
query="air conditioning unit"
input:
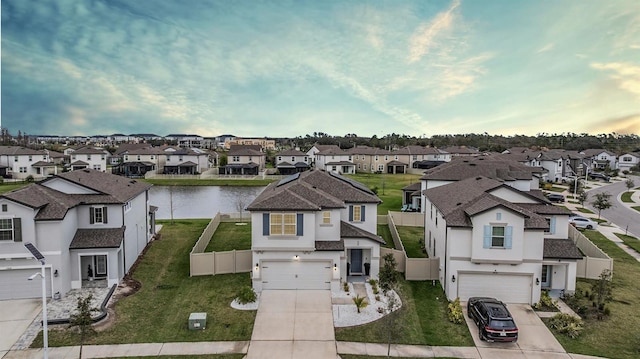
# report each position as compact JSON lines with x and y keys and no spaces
{"x":197,"y":321}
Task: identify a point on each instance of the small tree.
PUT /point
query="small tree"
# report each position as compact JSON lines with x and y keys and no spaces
{"x":360,"y":302}
{"x":388,"y":275}
{"x":602,"y":202}
{"x":602,"y":290}
{"x":82,"y":319}
{"x":582,"y":197}
{"x":629,"y":183}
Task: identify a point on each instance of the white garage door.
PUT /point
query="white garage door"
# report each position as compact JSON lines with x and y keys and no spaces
{"x":15,"y":284}
{"x":296,"y":275}
{"x":505,"y":287}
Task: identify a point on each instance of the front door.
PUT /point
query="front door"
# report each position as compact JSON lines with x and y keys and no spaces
{"x":546,"y":278}
{"x":356,"y":261}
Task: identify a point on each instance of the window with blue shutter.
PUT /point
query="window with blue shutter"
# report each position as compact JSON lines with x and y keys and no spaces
{"x":552,"y":225}
{"x":265,"y":224}
{"x":362,"y":213}
{"x":508,"y":237}
{"x":300,"y":224}
{"x":350,"y":213}
{"x":486,"y":243}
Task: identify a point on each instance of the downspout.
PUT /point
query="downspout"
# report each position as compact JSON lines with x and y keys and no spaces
{"x":446,"y":247}
{"x":124,"y":246}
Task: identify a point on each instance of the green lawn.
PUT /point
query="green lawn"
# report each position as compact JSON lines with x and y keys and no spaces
{"x":389,"y":188}
{"x":412,"y":239}
{"x":585,"y":210}
{"x":159,"y":311}
{"x":6,"y":187}
{"x":209,"y":182}
{"x":637,"y":208}
{"x":626,"y":197}
{"x":618,"y":336}
{"x":631,"y":241}
{"x":421,"y":320}
{"x":230,"y":236}
{"x":385,"y":233}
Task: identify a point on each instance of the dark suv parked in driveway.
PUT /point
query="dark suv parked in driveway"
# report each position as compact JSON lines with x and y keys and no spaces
{"x":597,"y":175}
{"x":493,"y":319}
{"x":555,"y":197}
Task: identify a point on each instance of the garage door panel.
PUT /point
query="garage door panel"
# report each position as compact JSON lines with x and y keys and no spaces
{"x":296,"y":275}
{"x":505,"y":287}
{"x":15,"y":284}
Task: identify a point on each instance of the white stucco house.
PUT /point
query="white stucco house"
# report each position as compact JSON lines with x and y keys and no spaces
{"x":628,"y":160}
{"x":292,"y":161}
{"x":78,"y":220}
{"x":498,"y":241}
{"x":21,"y":162}
{"x":88,"y":157}
{"x":313,"y":230}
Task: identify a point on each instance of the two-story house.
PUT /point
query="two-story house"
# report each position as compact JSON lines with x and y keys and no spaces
{"x":419,"y":157}
{"x":628,"y":160}
{"x":292,"y":161}
{"x":599,"y":158}
{"x":512,"y":173}
{"x":244,"y":160}
{"x":333,"y":158}
{"x":88,"y":157}
{"x":22,"y":162}
{"x":312,"y":230}
{"x":180,"y":160}
{"x":495,"y":240}
{"x":138,"y":160}
{"x":89,"y":225}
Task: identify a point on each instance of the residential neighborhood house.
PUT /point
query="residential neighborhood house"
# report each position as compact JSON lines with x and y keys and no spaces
{"x":89,"y":225}
{"x":312,"y":230}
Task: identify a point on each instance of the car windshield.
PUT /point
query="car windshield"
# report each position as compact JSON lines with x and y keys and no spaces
{"x":502,"y":324}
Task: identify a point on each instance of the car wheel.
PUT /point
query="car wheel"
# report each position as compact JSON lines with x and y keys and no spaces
{"x":589,"y":226}
{"x":480,"y":334}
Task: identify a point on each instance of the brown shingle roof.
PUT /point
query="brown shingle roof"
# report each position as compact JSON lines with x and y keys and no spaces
{"x":97,"y":238}
{"x":468,"y":167}
{"x":312,"y":191}
{"x":330,"y":245}
{"x":350,"y":231}
{"x":560,"y":248}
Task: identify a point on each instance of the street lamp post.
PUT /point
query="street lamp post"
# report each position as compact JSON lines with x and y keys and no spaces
{"x":36,"y":253}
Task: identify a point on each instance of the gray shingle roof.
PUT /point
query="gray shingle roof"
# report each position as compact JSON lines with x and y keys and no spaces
{"x":461,"y":200}
{"x":311,"y":191}
{"x":291,"y":152}
{"x":330,"y":245}
{"x":97,"y":238}
{"x":560,"y":248}
{"x":350,"y":231}
{"x":468,"y":167}
{"x":54,"y":205}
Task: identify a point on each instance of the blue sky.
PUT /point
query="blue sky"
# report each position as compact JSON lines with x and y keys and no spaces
{"x":289,"y":68}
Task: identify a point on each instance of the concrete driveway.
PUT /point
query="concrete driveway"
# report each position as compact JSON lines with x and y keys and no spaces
{"x":534,"y":338}
{"x":15,"y":317}
{"x":293,"y":324}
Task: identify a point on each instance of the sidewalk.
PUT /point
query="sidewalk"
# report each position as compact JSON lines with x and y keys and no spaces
{"x":208,"y":348}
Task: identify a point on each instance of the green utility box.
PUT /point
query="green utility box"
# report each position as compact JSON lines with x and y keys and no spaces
{"x":197,"y":321}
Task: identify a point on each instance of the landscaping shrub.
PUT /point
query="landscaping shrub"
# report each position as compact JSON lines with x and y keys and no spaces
{"x":345,"y":286}
{"x":455,"y":312}
{"x":567,"y":324}
{"x":546,"y":302}
{"x":246,"y":295}
{"x":360,"y":302}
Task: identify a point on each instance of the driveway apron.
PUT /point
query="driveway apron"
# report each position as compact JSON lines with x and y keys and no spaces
{"x":15,"y":318}
{"x":293,"y":324}
{"x":534,"y":338}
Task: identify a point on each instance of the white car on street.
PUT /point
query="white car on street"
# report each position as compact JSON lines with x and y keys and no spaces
{"x":582,"y":222}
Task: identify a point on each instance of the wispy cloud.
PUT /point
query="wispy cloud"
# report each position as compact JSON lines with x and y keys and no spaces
{"x":427,"y":35}
{"x":626,"y":75}
{"x":629,"y":124}
{"x":545,"y":48}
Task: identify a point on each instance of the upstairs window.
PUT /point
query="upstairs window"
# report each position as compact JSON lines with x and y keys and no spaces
{"x":15,"y":158}
{"x":326,"y":217}
{"x":10,"y":230}
{"x":356,"y":213}
{"x":89,"y":157}
{"x":30,"y":158}
{"x":282,"y":224}
{"x":98,"y":215}
{"x":497,"y":236}
{"x":551,"y":222}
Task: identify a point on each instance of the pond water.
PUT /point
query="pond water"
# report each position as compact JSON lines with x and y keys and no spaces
{"x":200,"y":201}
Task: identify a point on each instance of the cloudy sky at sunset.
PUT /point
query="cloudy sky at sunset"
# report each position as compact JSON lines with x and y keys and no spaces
{"x":290,"y":68}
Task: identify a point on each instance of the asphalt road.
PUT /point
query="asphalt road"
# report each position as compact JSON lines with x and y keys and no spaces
{"x":619,"y":214}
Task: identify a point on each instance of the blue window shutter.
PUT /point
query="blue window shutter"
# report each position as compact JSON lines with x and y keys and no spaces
{"x":265,"y":224}
{"x":487,"y":237}
{"x":92,"y":215}
{"x":350,"y":213}
{"x":104,"y":214}
{"x":552,"y":225}
{"x":299,"y":224}
{"x":361,"y":213}
{"x":508,"y":236}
